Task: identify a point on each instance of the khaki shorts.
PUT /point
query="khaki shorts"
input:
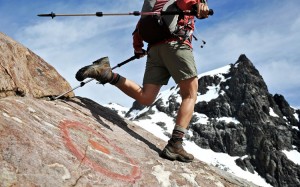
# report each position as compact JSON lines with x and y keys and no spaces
{"x":169,"y":60}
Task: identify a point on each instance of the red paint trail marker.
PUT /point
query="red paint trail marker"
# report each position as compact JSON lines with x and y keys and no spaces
{"x":134,"y":169}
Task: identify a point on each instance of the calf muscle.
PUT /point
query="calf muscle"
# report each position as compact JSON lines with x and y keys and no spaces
{"x":144,"y":95}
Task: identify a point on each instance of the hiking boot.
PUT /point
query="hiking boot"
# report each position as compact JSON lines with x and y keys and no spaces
{"x":174,"y":151}
{"x":99,"y":70}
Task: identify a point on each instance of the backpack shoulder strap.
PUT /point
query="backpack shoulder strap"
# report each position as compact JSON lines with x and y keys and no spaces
{"x":148,"y":5}
{"x":170,"y":20}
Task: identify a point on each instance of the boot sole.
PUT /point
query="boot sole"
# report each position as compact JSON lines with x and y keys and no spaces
{"x":173,"y":156}
{"x":80,"y":74}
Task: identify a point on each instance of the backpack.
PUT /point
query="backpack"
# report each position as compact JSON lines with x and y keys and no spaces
{"x":154,"y":28}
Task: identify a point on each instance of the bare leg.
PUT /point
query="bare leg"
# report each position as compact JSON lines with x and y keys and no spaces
{"x":101,"y":71}
{"x":174,"y":149}
{"x":188,"y":92}
{"x":144,"y":95}
{"x":147,"y":94}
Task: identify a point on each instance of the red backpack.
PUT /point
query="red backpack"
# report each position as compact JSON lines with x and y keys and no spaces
{"x":157,"y":28}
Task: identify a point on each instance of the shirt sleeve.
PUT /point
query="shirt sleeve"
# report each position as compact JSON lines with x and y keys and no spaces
{"x":137,"y":39}
{"x":186,"y":4}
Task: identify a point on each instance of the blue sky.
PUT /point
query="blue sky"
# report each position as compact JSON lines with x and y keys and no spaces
{"x":266,"y":31}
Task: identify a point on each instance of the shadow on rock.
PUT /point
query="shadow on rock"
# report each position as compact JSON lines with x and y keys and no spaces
{"x":106,"y":113}
{"x":94,"y":108}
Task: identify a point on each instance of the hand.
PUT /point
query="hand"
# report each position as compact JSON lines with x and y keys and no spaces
{"x":202,"y":10}
{"x":140,"y":53}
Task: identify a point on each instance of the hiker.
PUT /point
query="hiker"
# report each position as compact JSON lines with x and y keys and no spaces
{"x":171,"y":57}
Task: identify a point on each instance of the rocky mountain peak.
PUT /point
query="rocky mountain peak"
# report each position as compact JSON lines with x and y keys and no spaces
{"x":236,"y":114}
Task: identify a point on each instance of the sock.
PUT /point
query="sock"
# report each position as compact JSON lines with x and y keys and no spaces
{"x":115,"y":78}
{"x":178,"y":133}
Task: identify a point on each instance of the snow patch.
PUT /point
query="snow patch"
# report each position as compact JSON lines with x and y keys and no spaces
{"x":296,"y":116}
{"x":134,"y":113}
{"x":164,"y":95}
{"x":225,"y":162}
{"x":215,"y":90}
{"x":118,"y":108}
{"x":228,"y":120}
{"x":222,"y":70}
{"x":272,"y":113}
{"x":212,"y":93}
{"x":293,"y":155}
{"x":201,"y":118}
{"x":151,"y":125}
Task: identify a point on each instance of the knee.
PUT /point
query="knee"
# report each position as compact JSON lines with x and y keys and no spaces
{"x":189,"y":95}
{"x":189,"y":89}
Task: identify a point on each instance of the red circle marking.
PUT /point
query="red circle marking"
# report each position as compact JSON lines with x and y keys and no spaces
{"x":66,"y":125}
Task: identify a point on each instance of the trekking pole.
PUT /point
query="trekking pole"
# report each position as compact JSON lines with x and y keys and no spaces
{"x":89,"y":80}
{"x":134,"y":13}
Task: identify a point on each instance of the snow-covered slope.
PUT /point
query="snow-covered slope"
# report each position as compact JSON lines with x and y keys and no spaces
{"x":229,"y":107}
{"x":160,"y":124}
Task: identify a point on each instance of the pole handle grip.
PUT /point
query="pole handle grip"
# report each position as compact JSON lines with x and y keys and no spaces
{"x":210,"y":13}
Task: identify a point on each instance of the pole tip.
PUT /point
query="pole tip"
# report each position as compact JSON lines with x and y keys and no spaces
{"x":52,"y":15}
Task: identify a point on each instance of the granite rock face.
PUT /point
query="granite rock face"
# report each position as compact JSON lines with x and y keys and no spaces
{"x":78,"y":142}
{"x":22,"y":73}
